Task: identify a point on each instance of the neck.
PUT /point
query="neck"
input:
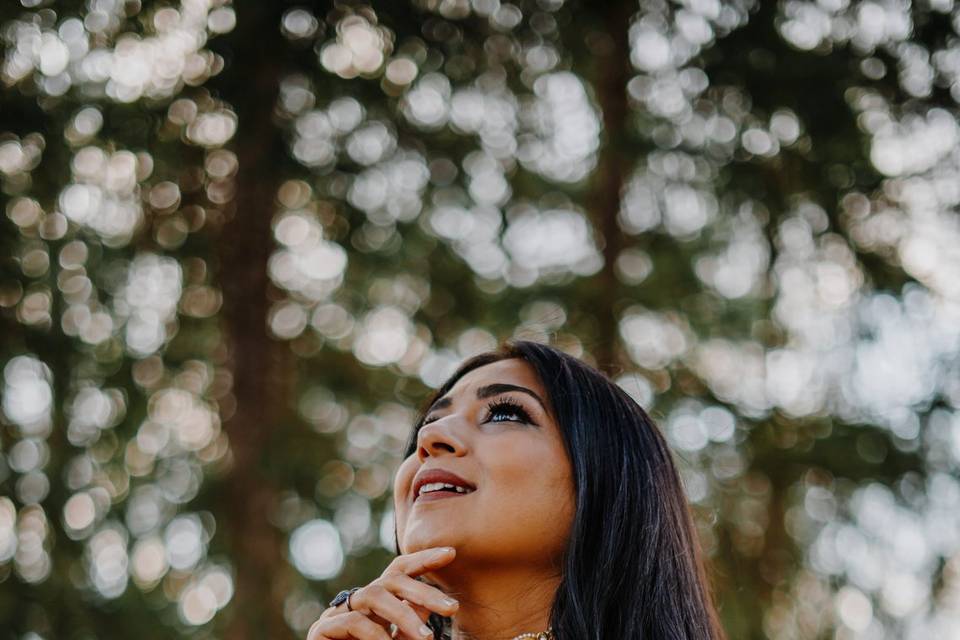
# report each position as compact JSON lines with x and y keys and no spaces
{"x":499,"y":603}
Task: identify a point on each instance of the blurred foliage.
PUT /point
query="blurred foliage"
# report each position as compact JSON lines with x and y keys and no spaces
{"x":241,"y":243}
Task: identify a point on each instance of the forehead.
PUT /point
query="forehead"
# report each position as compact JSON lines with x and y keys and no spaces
{"x":511,"y":371}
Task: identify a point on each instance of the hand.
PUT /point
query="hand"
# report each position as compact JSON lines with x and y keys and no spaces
{"x":393,"y":598}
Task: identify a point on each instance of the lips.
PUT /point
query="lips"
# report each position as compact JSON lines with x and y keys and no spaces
{"x":432,"y":476}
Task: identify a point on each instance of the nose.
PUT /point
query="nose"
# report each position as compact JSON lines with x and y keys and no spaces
{"x":438,"y":438}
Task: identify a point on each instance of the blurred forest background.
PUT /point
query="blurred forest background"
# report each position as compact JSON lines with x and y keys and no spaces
{"x":242,"y":241}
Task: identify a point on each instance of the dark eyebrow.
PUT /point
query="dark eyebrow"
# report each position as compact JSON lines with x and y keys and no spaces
{"x":496,"y":389}
{"x":489,"y":391}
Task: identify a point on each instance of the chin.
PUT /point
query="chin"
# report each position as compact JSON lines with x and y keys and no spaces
{"x":421,"y":537}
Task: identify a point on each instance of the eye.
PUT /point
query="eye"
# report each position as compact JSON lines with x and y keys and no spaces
{"x":507,"y":410}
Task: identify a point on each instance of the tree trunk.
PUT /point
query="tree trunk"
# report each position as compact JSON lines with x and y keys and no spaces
{"x":261,"y":366}
{"x":612,"y":73}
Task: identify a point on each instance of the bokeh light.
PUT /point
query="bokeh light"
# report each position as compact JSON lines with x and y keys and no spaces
{"x":228,"y":282}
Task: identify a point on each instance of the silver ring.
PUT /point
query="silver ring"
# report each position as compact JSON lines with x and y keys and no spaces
{"x":343,"y":596}
{"x":352,"y":591}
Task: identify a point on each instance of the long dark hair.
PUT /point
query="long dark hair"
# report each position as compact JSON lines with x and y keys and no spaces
{"x":633,"y":568}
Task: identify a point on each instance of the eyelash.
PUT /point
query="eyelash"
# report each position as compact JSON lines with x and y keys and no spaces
{"x":498,"y":407}
{"x":509,"y":407}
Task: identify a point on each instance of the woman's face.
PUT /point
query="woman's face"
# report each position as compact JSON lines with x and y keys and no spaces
{"x":493,"y":430}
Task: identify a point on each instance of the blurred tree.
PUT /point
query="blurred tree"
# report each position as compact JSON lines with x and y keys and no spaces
{"x":242,"y":242}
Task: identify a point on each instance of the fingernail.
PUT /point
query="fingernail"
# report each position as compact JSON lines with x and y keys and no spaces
{"x":450,"y":602}
{"x":426,"y":631}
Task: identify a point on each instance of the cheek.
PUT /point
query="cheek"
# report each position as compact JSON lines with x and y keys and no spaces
{"x":403,"y":479}
{"x":529,"y":511}
{"x":400,"y":520}
{"x":534,"y":483}
{"x":401,"y":492}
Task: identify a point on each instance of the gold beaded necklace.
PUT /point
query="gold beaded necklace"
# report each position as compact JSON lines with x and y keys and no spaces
{"x":543,"y":635}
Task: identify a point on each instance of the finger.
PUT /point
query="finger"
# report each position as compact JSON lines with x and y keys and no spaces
{"x":420,"y":593}
{"x":352,"y":625}
{"x":424,"y":616}
{"x":344,"y":607}
{"x":420,"y":611}
{"x":420,"y":562}
{"x":423,"y":612}
{"x":379,"y":601}
{"x":399,"y":635}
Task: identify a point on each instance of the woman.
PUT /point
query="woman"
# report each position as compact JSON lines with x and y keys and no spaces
{"x":536,"y":500}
